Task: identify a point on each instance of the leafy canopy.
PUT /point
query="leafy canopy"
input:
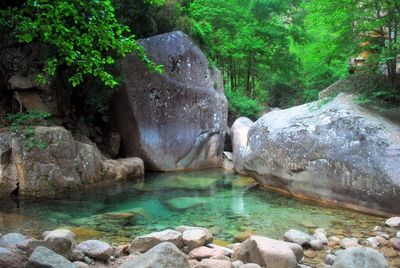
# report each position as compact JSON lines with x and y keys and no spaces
{"x":86,"y":36}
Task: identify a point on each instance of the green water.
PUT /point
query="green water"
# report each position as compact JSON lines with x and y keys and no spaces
{"x":225,"y":202}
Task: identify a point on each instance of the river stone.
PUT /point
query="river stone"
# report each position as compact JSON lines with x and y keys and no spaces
{"x":213,"y":263}
{"x":393,"y":222}
{"x":61,"y":241}
{"x":372,"y":242}
{"x":183,"y":203}
{"x":250,"y":265}
{"x":164,"y":255}
{"x":79,"y":264}
{"x":205,"y":252}
{"x":146,"y":242}
{"x":320,"y":234}
{"x":337,"y":151}
{"x":349,"y":242}
{"x":183,"y":228}
{"x":194,"y":238}
{"x":10,"y":259}
{"x":273,"y":253}
{"x":45,"y":258}
{"x":298,"y":237}
{"x":175,"y":120}
{"x":96,"y":249}
{"x":239,"y":132}
{"x":357,"y":257}
{"x":63,"y":164}
{"x":11,"y":240}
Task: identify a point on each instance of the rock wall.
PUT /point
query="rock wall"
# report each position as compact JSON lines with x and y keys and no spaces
{"x":61,"y":164}
{"x":337,"y":152}
{"x":175,"y":120}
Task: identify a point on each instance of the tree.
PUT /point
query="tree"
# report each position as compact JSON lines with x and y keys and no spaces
{"x":85,"y":35}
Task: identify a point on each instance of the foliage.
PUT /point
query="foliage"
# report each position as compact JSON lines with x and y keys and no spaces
{"x":85,"y":35}
{"x":24,"y":122}
{"x":241,"y":105}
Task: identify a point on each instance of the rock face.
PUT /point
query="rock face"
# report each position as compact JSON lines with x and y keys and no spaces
{"x":336,"y":151}
{"x":164,"y":255}
{"x":62,"y":163}
{"x":175,"y":120}
{"x":239,"y":132}
{"x":360,"y":257}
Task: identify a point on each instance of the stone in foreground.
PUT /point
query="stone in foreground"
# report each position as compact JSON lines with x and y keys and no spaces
{"x":11,"y":240}
{"x":44,"y":257}
{"x":336,"y":151}
{"x":358,"y":257}
{"x":298,"y":237}
{"x":146,"y":242}
{"x":164,"y":255}
{"x":213,"y":263}
{"x":175,"y":120}
{"x":96,"y":249}
{"x":10,"y":259}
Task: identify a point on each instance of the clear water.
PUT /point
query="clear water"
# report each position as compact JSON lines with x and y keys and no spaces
{"x":227,"y":203}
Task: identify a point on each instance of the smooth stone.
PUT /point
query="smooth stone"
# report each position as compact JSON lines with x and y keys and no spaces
{"x":274,"y":253}
{"x":357,"y":257}
{"x":183,"y":228}
{"x":96,"y":249}
{"x":298,"y":237}
{"x":396,"y":243}
{"x":183,"y":203}
{"x":79,"y":264}
{"x":393,"y":222}
{"x":237,"y":264}
{"x":45,"y":258}
{"x":11,"y":240}
{"x":398,"y":234}
{"x":213,"y":263}
{"x":309,"y":253}
{"x":10,"y":259}
{"x":383,"y":241}
{"x":372,"y":242}
{"x":317,"y":245}
{"x":377,"y":229}
{"x":146,"y":242}
{"x":330,"y":259}
{"x":320,"y":234}
{"x":250,"y":265}
{"x":205,"y":252}
{"x":61,"y":242}
{"x":163,"y":255}
{"x":194,"y":238}
{"x":349,"y":242}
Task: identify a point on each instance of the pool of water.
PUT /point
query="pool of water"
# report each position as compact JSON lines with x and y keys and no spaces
{"x":227,"y":203}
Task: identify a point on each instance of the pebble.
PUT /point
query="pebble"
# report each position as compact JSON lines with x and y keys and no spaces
{"x":377,"y":229}
{"x":349,"y":242}
{"x":309,"y":253}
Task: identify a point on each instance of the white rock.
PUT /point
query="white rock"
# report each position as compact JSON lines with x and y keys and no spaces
{"x":393,"y":222}
{"x":320,"y":235}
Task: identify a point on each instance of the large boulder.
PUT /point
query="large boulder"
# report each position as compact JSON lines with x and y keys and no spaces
{"x":175,"y":120}
{"x":335,"y":151}
{"x":96,"y":249}
{"x":44,"y":257}
{"x":360,"y":257}
{"x":239,"y":132}
{"x":52,"y":161}
{"x":164,"y":255}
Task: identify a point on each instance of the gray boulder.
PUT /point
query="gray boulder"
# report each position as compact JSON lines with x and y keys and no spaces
{"x":11,"y":240}
{"x":45,"y":258}
{"x":146,"y":242}
{"x":335,"y":151}
{"x":61,"y":241}
{"x":10,"y":259}
{"x":298,"y":237}
{"x":176,"y":120}
{"x":63,"y":163}
{"x":164,"y":255}
{"x":357,"y":257}
{"x":96,"y":249}
{"x":239,"y":132}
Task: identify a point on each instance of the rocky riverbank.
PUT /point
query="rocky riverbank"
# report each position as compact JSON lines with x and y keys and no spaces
{"x":193,"y":247}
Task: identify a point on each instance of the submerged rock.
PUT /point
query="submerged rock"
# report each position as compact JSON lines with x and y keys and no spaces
{"x":61,"y":163}
{"x":183,"y":203}
{"x":176,"y":120}
{"x":360,"y":257}
{"x":164,"y":255}
{"x":146,"y":242}
{"x":336,"y":151}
